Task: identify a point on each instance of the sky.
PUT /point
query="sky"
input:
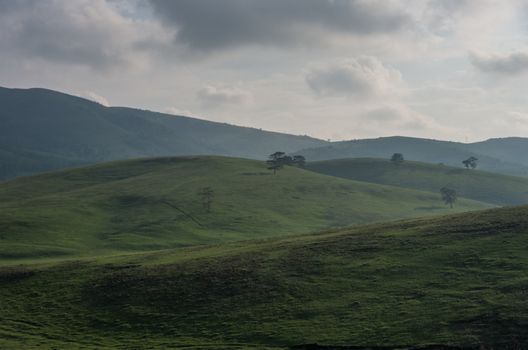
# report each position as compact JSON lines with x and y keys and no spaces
{"x":332,"y":69}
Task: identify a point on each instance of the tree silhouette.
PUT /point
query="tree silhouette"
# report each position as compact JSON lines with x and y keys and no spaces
{"x":471,"y":162}
{"x":207,"y":195}
{"x":449,"y":196}
{"x":278,"y":160}
{"x":397,"y":158}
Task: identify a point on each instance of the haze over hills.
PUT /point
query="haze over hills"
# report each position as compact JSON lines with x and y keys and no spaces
{"x":156,"y":204}
{"x":509,"y":149}
{"x":469,"y":183}
{"x":457,"y":280}
{"x":43,"y":130}
{"x":495,"y":155}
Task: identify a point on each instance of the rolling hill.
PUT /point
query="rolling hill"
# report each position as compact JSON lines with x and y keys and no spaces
{"x":457,"y":281}
{"x":155,"y":203}
{"x":43,"y":130}
{"x":494,"y":155}
{"x":478,"y":185}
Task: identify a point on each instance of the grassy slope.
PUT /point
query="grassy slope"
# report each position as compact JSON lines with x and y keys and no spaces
{"x":154,"y":204}
{"x":478,"y":185}
{"x":455,"y":280}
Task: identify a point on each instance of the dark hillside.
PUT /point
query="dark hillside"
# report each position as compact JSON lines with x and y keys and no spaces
{"x":44,"y":130}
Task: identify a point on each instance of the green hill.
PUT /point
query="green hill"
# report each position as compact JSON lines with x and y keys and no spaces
{"x":495,"y":155}
{"x":44,"y":130}
{"x":457,"y":280}
{"x":155,"y":203}
{"x":478,"y":185}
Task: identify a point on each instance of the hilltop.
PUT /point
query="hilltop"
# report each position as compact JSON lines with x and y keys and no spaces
{"x":457,"y":280}
{"x":149,"y":204}
{"x":479,"y":185}
{"x":44,"y":130}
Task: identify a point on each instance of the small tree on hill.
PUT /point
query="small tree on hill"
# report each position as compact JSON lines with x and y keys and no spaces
{"x":275,"y":161}
{"x":449,"y":196}
{"x":278,"y":160}
{"x":471,"y":162}
{"x":397,"y":158}
{"x":207,"y":195}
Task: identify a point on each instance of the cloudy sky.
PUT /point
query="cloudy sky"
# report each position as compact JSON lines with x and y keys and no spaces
{"x":333,"y":69}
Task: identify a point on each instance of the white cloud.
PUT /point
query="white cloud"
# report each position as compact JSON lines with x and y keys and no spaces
{"x":221,"y":95}
{"x":518,"y":118}
{"x":361,"y":77}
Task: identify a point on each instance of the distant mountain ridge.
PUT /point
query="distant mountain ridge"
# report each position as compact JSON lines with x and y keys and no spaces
{"x":504,"y":155}
{"x":510,"y":149}
{"x":43,"y":130}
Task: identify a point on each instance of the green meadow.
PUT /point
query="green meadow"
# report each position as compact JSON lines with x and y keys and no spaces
{"x":459,"y":280}
{"x":151,"y":204}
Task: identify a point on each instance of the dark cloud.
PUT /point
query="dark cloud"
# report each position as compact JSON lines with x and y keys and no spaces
{"x":212,"y":24}
{"x":510,"y":64}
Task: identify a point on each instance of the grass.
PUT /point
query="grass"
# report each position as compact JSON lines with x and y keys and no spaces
{"x":152,"y":204}
{"x":459,"y":280}
{"x":475,"y":184}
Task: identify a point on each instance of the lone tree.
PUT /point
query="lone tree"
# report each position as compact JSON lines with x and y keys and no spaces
{"x":397,"y":158}
{"x":278,"y":160}
{"x":449,"y":196}
{"x":471,"y":162}
{"x":207,"y":195}
{"x":275,"y":161}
